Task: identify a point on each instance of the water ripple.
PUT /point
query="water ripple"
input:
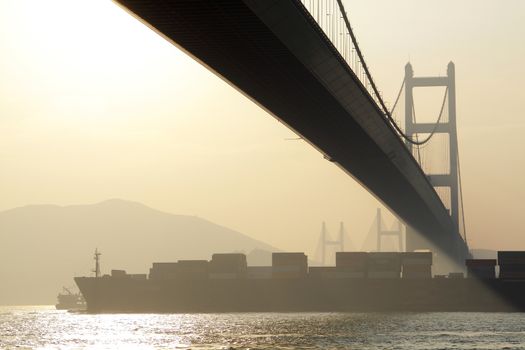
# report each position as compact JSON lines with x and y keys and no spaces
{"x":46,"y":328}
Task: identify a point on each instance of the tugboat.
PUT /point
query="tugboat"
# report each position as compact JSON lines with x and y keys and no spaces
{"x":67,"y":300}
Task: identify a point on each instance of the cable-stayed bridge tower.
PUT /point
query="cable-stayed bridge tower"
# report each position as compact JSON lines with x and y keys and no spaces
{"x":381,"y":233}
{"x":327,"y":242}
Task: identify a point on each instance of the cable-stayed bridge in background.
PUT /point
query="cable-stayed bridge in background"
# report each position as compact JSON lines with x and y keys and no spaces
{"x":300,"y":61}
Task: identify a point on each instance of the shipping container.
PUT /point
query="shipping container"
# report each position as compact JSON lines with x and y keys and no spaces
{"x":294,"y":266}
{"x":512,"y":271}
{"x":417,"y":271}
{"x":416,"y":258}
{"x":481,"y":268}
{"x":259,"y":272}
{"x":289,"y":274}
{"x":384,"y":262}
{"x":383,"y":274}
{"x":333,"y":273}
{"x":319,"y":271}
{"x":511,"y":258}
{"x":226,"y":275}
{"x":164,"y":266}
{"x":480,"y":262}
{"x":513,"y":268}
{"x":228,"y":263}
{"x":288,"y":259}
{"x":192,"y":269}
{"x":483,"y":272}
{"x":341,"y":274}
{"x":197,"y":265}
{"x":138,"y":276}
{"x":418,"y":276}
{"x":162,"y":275}
{"x":292,"y":262}
{"x":351,"y":261}
{"x":289,"y":268}
{"x":163,"y":270}
{"x":511,"y":275}
{"x":118,"y":273}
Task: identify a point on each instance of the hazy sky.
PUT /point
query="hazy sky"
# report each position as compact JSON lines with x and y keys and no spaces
{"x":94,"y":105}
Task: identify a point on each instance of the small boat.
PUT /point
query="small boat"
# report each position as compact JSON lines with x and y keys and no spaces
{"x":67,"y":300}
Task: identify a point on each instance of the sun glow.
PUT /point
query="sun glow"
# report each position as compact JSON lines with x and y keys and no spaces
{"x":78,"y":55}
{"x":63,"y":33}
{"x":95,"y":105}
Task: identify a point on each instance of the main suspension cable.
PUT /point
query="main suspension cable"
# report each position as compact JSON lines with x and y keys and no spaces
{"x":434,"y":129}
{"x":373,"y":85}
{"x":397,"y":98}
{"x":418,"y":147}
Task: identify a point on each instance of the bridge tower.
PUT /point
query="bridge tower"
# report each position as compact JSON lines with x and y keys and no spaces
{"x":398,"y":232}
{"x":325,"y":241}
{"x":449,"y":180}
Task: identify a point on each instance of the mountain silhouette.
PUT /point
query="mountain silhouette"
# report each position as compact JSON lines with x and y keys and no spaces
{"x":44,"y":246}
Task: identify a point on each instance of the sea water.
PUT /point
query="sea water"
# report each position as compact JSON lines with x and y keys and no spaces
{"x":42,"y":327}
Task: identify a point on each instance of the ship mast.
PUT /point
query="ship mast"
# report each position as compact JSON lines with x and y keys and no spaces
{"x":97,"y":263}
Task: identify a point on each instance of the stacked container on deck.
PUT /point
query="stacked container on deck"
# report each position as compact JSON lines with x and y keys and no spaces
{"x":351,"y":264}
{"x":511,"y":264}
{"x":183,"y":269}
{"x":481,"y":268}
{"x":192,"y":269}
{"x":289,"y":265}
{"x":259,"y":272}
{"x":123,"y":274}
{"x":377,"y":265}
{"x":384,"y":265}
{"x":416,"y":265}
{"x":163,"y":270}
{"x":322,"y":272}
{"x":138,"y":276}
{"x":228,"y":266}
{"x":118,"y":274}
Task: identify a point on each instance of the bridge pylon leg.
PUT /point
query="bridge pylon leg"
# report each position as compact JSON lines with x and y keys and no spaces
{"x":397,"y":233}
{"x":448,"y":180}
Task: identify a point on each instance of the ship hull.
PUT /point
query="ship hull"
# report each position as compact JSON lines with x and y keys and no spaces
{"x":70,"y":307}
{"x":300,"y":295}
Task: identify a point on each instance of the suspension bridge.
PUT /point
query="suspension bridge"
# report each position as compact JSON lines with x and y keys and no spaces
{"x":301,"y":62}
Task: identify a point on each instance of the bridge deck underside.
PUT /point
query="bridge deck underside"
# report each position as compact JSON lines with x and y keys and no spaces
{"x":271,"y":52}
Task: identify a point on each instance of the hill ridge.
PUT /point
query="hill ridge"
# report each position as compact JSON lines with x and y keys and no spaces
{"x":45,"y":245}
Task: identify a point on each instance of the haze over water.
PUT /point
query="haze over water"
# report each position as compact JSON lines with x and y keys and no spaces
{"x":112,"y":110}
{"x":42,"y":327}
{"x":94,"y":105}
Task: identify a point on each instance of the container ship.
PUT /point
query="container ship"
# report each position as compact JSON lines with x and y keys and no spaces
{"x":359,"y":281}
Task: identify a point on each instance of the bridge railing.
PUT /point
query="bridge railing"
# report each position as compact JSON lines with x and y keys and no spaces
{"x":330,"y":19}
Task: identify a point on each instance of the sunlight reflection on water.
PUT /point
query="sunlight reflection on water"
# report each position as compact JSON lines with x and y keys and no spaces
{"x":42,"y":327}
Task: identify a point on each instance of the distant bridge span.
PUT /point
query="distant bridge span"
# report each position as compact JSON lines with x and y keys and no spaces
{"x":274,"y":53}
